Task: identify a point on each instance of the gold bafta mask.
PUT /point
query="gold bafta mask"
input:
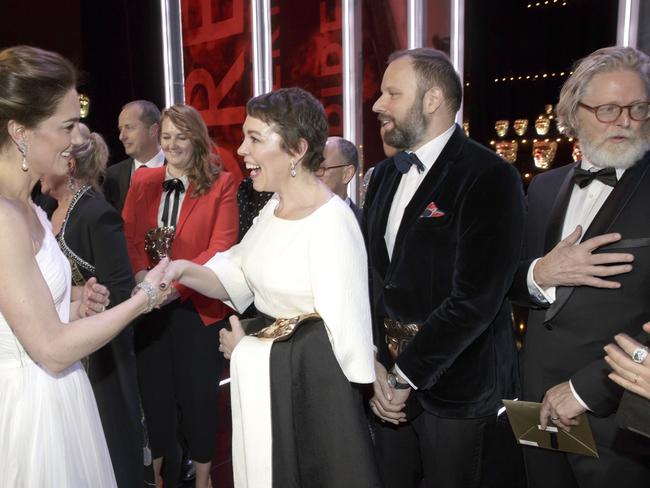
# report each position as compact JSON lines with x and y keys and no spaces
{"x":466,"y":128}
{"x":84,"y":104}
{"x":544,"y":153}
{"x":520,"y":126}
{"x":542,"y":125}
{"x":507,"y":150}
{"x":548,"y":109}
{"x":576,"y":152}
{"x":501,"y":126}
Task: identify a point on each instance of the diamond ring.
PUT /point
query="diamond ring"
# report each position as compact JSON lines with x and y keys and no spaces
{"x":639,"y":354}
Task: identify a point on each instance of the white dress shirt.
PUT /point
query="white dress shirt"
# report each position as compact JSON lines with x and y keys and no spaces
{"x":583,"y":207}
{"x":409,"y":184}
{"x":156,"y":162}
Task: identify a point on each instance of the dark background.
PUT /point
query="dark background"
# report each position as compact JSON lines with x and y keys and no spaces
{"x":115,"y":44}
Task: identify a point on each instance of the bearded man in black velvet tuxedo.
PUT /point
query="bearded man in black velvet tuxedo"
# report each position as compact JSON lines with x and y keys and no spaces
{"x":139,"y":125}
{"x":444,"y":228}
{"x":585,"y":272}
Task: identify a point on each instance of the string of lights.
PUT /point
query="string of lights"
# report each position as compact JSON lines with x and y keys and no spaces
{"x":532,"y":77}
{"x":548,"y":3}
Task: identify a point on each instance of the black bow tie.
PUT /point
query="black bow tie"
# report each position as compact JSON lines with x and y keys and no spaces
{"x":404,"y":161}
{"x":176,"y":187}
{"x":582,"y":177}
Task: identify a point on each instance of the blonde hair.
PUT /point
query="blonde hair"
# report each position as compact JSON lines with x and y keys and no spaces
{"x":90,"y":161}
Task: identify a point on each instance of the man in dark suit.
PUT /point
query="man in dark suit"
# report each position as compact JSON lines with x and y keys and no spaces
{"x":586,"y":223}
{"x":139,"y":124}
{"x":444,"y":225}
{"x":340,"y":164}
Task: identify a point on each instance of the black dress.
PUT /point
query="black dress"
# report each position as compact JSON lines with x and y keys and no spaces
{"x":92,"y":237}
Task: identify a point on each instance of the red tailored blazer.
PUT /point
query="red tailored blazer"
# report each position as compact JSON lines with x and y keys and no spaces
{"x":206,"y":225}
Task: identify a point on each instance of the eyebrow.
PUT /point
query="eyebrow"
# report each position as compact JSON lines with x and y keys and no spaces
{"x":73,"y":119}
{"x":253,"y":131}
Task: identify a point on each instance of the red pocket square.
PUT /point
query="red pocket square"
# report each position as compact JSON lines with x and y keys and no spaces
{"x":432,"y":211}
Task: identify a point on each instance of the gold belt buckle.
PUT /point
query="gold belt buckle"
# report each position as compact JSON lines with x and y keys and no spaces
{"x":398,"y":335}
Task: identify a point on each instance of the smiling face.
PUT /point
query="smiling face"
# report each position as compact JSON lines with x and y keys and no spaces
{"x":50,"y":142}
{"x":617,"y":144}
{"x":400,"y":106}
{"x":264,"y":157}
{"x":178,"y":148}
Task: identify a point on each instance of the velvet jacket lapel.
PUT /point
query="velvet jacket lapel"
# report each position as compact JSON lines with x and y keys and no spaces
{"x":384,"y":198}
{"x":429,"y":186}
{"x":602,"y":223}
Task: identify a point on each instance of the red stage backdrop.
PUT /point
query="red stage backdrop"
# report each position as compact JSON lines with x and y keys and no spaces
{"x":307,"y":52}
{"x":217,"y":62}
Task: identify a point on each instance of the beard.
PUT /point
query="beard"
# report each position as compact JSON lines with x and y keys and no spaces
{"x":603,"y":154}
{"x":406,"y":133}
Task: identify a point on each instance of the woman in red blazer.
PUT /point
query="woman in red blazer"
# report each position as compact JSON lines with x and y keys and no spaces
{"x":176,"y":346}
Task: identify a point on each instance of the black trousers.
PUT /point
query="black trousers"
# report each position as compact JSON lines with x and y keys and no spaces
{"x":431,"y":452}
{"x":179,"y":366}
{"x":624,"y":459}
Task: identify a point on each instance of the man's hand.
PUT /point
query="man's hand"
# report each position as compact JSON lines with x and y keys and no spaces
{"x":387,"y":403}
{"x":561,"y":407}
{"x":572,"y":264}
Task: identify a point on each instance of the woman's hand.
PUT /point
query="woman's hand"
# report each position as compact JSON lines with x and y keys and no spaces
{"x":155,"y":279}
{"x":94,"y":298}
{"x":629,"y":374}
{"x":228,"y":339}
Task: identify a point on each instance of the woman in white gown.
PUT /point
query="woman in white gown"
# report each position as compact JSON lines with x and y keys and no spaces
{"x":297,"y":420}
{"x":50,"y":432}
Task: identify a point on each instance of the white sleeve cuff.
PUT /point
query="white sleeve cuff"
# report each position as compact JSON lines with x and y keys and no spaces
{"x":575,"y":394}
{"x":399,"y":372}
{"x":233,"y":280}
{"x":544,"y":296}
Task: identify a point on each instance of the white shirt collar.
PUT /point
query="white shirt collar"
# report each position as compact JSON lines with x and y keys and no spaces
{"x":184,"y":178}
{"x":586,"y":165}
{"x":156,"y":162}
{"x":429,"y":152}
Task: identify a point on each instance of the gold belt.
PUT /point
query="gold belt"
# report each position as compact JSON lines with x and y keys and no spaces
{"x":282,"y":329}
{"x":398,"y":335}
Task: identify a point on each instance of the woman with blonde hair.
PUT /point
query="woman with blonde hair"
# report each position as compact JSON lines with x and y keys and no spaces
{"x":91,"y":235}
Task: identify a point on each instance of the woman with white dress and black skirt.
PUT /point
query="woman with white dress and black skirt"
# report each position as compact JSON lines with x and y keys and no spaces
{"x":298,"y":420}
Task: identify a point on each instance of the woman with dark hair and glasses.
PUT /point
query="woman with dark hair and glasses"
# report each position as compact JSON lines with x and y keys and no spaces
{"x":50,"y":430}
{"x":91,"y":235}
{"x":191,"y":202}
{"x":297,"y":419}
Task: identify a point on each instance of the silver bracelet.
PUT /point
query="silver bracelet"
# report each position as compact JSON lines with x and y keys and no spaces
{"x":152,"y":294}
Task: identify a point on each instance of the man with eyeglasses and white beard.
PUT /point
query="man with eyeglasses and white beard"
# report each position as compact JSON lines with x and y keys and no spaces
{"x":585,"y":269}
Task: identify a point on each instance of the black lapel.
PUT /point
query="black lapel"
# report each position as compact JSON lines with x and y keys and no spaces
{"x":617,"y":199}
{"x":606,"y":216}
{"x":382,"y":202}
{"x":558,"y":212}
{"x":125,"y":178}
{"x":430,"y":184}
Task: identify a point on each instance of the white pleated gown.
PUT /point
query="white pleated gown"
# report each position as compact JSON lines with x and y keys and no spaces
{"x":50,"y":431}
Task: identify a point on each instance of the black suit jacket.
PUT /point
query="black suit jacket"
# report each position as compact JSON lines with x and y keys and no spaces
{"x":565,"y":341}
{"x":92,"y":237}
{"x":116,"y":183}
{"x":450,"y":273}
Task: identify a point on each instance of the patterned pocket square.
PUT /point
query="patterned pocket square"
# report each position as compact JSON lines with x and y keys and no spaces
{"x":432,"y":211}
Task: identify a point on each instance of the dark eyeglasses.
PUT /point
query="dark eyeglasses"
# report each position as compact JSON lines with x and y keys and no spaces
{"x":611,"y":112}
{"x":323,"y":169}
